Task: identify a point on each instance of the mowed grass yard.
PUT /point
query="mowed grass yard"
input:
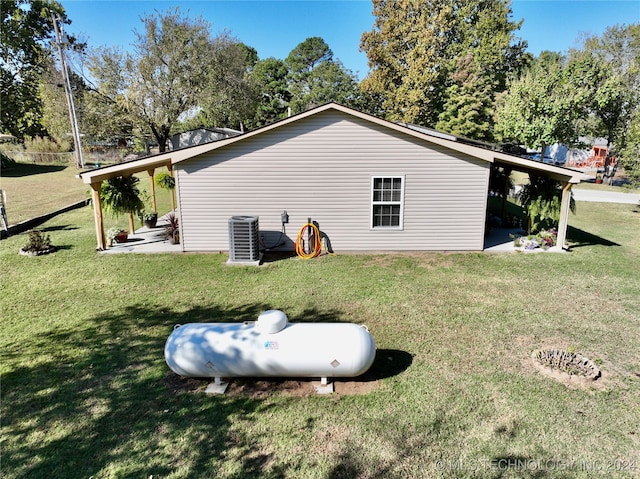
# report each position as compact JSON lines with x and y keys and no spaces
{"x":35,"y":190}
{"x":86,"y":391}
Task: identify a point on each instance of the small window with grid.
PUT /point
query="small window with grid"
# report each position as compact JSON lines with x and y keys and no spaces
{"x":387,"y":195}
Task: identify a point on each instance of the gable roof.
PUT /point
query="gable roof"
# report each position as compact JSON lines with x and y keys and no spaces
{"x":444,"y":140}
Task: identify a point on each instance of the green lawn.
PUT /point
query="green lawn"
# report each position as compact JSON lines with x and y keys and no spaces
{"x":86,"y":391}
{"x":35,"y":190}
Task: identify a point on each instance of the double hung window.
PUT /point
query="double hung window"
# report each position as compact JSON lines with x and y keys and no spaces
{"x":387,"y":198}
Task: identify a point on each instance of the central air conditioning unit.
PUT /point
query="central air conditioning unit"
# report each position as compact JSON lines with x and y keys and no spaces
{"x":244,"y":240}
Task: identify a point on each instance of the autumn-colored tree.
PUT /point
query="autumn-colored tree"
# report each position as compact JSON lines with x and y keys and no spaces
{"x":428,"y":59}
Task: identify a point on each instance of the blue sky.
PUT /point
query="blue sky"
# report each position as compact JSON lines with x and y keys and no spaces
{"x":274,"y":28}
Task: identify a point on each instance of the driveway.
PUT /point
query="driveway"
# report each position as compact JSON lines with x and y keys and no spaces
{"x":599,"y":196}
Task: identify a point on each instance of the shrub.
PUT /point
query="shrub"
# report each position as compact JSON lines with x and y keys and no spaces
{"x":37,"y":243}
{"x":541,"y":200}
{"x":6,"y":162}
{"x":46,"y":145}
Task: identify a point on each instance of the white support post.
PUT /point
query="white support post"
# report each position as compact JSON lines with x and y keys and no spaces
{"x":564,"y":215}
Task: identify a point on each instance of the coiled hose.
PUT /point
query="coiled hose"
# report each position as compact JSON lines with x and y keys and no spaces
{"x":314,"y":239}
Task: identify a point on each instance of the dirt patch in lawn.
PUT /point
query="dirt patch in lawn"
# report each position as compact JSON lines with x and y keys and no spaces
{"x":257,"y":388}
{"x":387,"y":363}
{"x":606,"y":380}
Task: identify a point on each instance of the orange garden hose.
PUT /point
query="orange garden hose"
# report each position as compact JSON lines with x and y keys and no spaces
{"x":315,"y":240}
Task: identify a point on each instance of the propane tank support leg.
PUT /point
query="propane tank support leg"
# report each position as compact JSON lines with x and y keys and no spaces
{"x":217,"y":386}
{"x":325,"y":387}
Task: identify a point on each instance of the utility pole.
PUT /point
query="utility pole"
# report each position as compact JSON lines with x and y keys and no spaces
{"x":69,"y":93}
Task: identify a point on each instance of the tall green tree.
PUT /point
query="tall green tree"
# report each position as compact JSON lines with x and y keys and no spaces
{"x":230,"y":97}
{"x":468,"y":107}
{"x":427,"y":59}
{"x":316,"y":78}
{"x":270,"y":78}
{"x":630,"y":152}
{"x":55,"y":112}
{"x":615,"y":59}
{"x":27,"y":30}
{"x":542,"y":105}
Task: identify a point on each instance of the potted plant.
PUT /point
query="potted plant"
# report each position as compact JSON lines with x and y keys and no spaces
{"x":598,"y":179}
{"x":148,"y":216}
{"x":116,"y":234}
{"x":172,"y":231}
{"x":120,"y":195}
{"x":167,"y":182}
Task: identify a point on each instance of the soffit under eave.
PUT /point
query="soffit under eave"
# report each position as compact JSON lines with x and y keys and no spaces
{"x":526,"y":166}
{"x":123,"y":169}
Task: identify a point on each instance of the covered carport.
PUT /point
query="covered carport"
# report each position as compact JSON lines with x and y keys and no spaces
{"x":566,"y":176}
{"x":149,"y":164}
{"x":95,"y":177}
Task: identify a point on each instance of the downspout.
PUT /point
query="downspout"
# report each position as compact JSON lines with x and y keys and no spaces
{"x":97,"y":214}
{"x":564,"y":215}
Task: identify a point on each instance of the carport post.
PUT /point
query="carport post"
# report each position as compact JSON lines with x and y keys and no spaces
{"x":171,"y":192}
{"x":564,"y":214}
{"x":153,"y":189}
{"x":97,"y":214}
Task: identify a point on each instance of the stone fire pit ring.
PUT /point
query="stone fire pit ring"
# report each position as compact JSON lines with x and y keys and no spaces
{"x":573,"y":364}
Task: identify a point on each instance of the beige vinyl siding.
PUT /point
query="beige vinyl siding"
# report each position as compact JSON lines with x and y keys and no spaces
{"x":322,"y":167}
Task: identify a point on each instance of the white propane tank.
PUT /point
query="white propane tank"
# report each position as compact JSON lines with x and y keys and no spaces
{"x":270,"y":347}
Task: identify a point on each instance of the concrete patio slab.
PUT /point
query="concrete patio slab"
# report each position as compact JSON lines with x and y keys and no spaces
{"x":146,"y":240}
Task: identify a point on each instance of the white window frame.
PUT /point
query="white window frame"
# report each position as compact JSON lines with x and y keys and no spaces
{"x":400,"y":226}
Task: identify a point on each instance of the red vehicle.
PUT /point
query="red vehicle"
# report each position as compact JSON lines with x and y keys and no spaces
{"x":598,"y":157}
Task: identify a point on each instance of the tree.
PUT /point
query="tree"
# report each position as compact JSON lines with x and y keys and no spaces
{"x":164,"y":77}
{"x":416,"y":50}
{"x":615,"y":56}
{"x":230,"y":97}
{"x":541,"y":106}
{"x":24,"y":56}
{"x":467,"y":110}
{"x":315,"y":78}
{"x":55,"y":112}
{"x":270,"y":79}
{"x":631,"y":151}
{"x":307,"y":55}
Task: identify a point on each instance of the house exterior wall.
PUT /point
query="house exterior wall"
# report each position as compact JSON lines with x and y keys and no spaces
{"x":321,"y":167}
